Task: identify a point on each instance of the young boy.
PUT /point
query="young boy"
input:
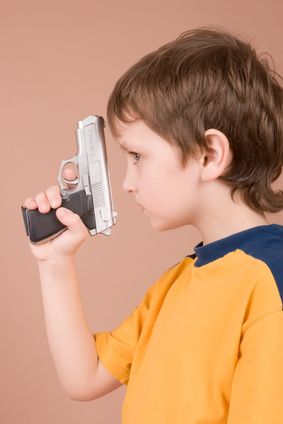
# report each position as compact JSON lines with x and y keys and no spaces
{"x":200,"y":121}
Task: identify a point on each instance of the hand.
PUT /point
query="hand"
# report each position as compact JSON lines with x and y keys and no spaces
{"x":66,"y":244}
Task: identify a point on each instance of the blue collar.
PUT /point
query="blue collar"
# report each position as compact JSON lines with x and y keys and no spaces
{"x":252,"y":239}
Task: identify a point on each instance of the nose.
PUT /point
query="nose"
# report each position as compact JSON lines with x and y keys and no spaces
{"x":128,"y":183}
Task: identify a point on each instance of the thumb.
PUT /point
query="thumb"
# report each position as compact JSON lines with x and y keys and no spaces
{"x":71,"y":220}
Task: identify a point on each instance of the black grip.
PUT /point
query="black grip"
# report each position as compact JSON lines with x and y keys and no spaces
{"x":41,"y":227}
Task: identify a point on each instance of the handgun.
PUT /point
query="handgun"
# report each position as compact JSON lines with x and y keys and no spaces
{"x":91,"y":196}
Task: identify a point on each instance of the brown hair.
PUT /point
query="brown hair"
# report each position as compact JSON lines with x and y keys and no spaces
{"x":210,"y":78}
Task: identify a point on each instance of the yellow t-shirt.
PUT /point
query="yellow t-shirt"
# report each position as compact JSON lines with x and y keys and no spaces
{"x":205,"y":345}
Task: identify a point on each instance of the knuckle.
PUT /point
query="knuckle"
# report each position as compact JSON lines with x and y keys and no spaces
{"x":42,"y":202}
{"x":53,"y":195}
{"x":27,"y":201}
{"x":40,"y":196}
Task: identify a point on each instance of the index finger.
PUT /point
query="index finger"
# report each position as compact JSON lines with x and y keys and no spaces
{"x":70,"y":176}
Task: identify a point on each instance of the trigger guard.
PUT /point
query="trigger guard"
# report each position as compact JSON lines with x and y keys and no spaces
{"x":61,"y":179}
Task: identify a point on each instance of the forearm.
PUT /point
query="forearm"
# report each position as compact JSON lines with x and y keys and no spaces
{"x":70,"y":339}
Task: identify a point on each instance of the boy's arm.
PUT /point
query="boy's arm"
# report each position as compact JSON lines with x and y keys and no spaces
{"x":71,"y":342}
{"x":257,"y":388}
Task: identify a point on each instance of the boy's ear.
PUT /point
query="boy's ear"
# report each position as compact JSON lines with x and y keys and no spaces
{"x":217,"y":158}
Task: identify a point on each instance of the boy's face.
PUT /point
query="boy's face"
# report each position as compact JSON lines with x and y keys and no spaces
{"x":165,"y":191}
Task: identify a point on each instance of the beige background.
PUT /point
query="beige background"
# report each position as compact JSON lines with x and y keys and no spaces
{"x":59,"y":62}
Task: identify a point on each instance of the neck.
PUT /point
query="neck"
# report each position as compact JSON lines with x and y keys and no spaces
{"x":223,"y":218}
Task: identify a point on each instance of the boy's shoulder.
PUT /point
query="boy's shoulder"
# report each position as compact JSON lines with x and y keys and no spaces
{"x":248,"y":264}
{"x":257,"y":251}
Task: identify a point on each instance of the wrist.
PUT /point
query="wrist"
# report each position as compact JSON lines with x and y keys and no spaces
{"x":59,"y":262}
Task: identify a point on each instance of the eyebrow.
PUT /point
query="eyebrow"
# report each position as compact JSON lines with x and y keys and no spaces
{"x":124,"y":146}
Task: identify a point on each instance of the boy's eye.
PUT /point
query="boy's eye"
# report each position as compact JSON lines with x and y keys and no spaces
{"x":136,"y":155}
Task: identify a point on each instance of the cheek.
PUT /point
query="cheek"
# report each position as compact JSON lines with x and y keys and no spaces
{"x":152,"y":184}
{"x":160,"y":195}
{"x":165,"y":188}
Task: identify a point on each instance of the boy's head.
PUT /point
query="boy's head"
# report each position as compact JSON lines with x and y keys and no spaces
{"x":208,"y":79}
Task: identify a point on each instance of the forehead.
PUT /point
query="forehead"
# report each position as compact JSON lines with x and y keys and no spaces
{"x":132,"y":134}
{"x":137,"y":132}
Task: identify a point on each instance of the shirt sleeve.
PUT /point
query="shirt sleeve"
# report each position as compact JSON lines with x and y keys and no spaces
{"x":115,"y":349}
{"x":257,"y":387}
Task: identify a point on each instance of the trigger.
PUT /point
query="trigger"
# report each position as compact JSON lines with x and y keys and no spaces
{"x":71,"y":182}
